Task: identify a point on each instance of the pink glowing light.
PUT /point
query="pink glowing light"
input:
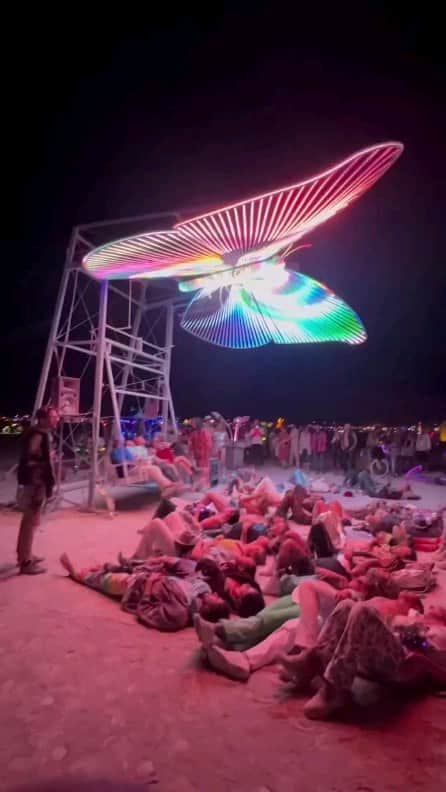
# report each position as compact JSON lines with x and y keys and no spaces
{"x":291,"y":211}
{"x":261,"y":227}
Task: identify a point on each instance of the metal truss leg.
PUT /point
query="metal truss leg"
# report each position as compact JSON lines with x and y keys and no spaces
{"x":98,"y":384}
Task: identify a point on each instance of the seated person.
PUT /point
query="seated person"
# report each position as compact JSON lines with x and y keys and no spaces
{"x":162,"y":449}
{"x":163,"y":594}
{"x":139,"y":450}
{"x":296,"y":505}
{"x":120,"y":454}
{"x":174,"y":463}
{"x":133,"y":456}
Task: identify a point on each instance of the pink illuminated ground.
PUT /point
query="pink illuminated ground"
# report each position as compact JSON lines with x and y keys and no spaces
{"x":91,"y":700}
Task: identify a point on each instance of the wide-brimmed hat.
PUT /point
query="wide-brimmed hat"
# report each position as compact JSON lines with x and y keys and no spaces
{"x":188,"y":537}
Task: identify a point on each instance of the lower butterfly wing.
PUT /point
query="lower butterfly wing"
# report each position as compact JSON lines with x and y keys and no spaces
{"x":303,"y":310}
{"x":223,"y":318}
{"x":300,"y":310}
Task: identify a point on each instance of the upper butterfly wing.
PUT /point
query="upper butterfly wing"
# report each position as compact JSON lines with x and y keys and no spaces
{"x":294,"y":210}
{"x":159,"y":254}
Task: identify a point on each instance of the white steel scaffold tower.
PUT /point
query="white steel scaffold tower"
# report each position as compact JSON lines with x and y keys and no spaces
{"x":116,"y":341}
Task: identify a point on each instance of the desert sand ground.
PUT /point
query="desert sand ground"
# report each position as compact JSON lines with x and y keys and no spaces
{"x":90,"y":700}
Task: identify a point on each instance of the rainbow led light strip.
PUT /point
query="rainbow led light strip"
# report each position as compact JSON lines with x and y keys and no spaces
{"x":253,"y":236}
{"x":298,"y":311}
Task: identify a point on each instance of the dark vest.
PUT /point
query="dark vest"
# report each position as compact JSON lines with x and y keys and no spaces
{"x":34,"y":467}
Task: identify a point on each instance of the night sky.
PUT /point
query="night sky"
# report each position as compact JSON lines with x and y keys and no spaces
{"x":117,"y":118}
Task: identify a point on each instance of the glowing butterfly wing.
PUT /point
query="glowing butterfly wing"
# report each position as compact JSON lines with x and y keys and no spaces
{"x":159,"y":254}
{"x":294,"y":210}
{"x":300,"y":311}
{"x":261,"y":227}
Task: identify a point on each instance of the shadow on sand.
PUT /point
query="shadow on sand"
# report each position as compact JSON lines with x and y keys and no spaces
{"x":8,"y":571}
{"x":82,"y":785}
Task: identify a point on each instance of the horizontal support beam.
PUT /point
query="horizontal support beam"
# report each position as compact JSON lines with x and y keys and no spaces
{"x":134,"y":337}
{"x":131,"y":364}
{"x":121,"y":361}
{"x":72,"y":346}
{"x":141,"y":394}
{"x":136,"y":353}
{"x":135,"y":219}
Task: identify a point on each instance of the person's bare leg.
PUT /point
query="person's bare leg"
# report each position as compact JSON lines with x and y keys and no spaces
{"x":202,"y":482}
{"x":156,"y":538}
{"x":182,"y":463}
{"x":154,"y":473}
{"x":217,"y":499}
{"x":317,"y":599}
{"x":302,"y":668}
{"x":68,"y":566}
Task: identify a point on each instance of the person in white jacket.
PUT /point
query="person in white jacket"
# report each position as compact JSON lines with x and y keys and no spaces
{"x":423,"y":446}
{"x":294,"y":459}
{"x":305,"y":445}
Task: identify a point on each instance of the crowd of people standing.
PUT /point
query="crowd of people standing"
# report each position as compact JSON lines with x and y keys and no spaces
{"x":341,"y":448}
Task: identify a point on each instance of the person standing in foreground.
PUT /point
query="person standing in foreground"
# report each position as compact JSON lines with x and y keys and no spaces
{"x":35,"y":478}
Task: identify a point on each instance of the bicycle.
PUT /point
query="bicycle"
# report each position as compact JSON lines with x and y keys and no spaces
{"x":379,"y":466}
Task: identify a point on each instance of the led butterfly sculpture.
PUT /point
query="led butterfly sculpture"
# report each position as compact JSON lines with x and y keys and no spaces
{"x":234,"y":259}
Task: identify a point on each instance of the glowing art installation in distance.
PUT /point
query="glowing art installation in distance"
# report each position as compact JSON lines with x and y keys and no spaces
{"x":235,"y":257}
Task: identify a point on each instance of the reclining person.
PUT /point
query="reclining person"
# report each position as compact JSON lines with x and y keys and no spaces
{"x":259,"y":498}
{"x":214,"y":511}
{"x":237,"y":647}
{"x":164,"y":594}
{"x":171,"y":532}
{"x":235,"y":583}
{"x":295,"y":622}
{"x":175,"y":532}
{"x":367,"y":483}
{"x":368,"y":640}
{"x":327,"y":535}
